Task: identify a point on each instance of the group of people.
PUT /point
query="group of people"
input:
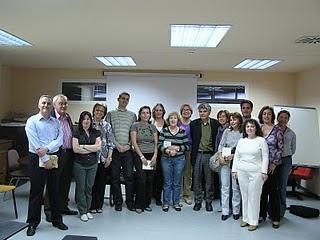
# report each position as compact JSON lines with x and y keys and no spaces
{"x":163,"y":157}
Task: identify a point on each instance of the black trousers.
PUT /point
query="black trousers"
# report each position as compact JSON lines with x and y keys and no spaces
{"x":122,"y":162}
{"x":99,"y":187}
{"x":38,"y":178}
{"x":144,"y":182}
{"x":270,"y":197}
{"x":65,"y":177}
{"x":158,"y":179}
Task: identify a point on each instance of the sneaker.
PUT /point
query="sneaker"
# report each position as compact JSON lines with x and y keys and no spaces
{"x":188,"y":201}
{"x":99,"y":210}
{"x":165,"y":208}
{"x":139,"y":210}
{"x":177,"y":208}
{"x":89,"y":215}
{"x":243,"y":224}
{"x":276,"y":225}
{"x":252,"y":228}
{"x":84,"y":218}
{"x":148,"y":209}
{"x":93,"y":211}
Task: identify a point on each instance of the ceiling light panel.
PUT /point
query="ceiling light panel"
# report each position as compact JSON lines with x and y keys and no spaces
{"x":197,"y":35}
{"x":258,"y":64}
{"x":112,"y":61}
{"x":7,"y":39}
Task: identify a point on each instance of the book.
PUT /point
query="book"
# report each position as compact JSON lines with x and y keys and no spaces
{"x":54,"y":160}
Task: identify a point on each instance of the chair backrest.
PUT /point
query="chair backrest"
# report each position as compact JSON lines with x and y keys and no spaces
{"x":13,"y":159}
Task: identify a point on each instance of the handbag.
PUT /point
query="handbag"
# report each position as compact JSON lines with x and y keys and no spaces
{"x":214,"y":163}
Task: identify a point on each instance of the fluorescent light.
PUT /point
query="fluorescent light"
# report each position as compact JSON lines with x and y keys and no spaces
{"x":257,"y":63}
{"x":197,"y":35}
{"x":8,"y":39}
{"x":117,"y":61}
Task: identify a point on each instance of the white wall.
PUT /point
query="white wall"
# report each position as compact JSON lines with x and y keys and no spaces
{"x":149,"y":89}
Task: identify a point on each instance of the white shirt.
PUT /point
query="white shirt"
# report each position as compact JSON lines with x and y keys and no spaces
{"x":251,"y":155}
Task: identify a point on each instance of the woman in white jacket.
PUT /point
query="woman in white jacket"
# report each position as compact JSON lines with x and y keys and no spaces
{"x":250,"y":166}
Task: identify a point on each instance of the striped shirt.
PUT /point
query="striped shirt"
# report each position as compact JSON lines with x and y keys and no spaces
{"x":179,"y":139}
{"x":121,"y":122}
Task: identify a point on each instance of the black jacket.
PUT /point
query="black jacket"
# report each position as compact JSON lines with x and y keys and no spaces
{"x":195,"y":131}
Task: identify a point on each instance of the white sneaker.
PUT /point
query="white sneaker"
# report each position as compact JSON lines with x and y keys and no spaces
{"x":89,"y":215}
{"x":84,"y":218}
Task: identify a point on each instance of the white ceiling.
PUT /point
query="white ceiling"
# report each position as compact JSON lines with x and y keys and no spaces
{"x":69,"y":33}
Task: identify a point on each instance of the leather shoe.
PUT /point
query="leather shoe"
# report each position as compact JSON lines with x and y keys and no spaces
{"x":60,"y":225}
{"x":130,"y":207}
{"x":209,"y":207}
{"x":118,"y":208}
{"x":31,"y":230}
{"x":68,"y":211}
{"x":224,"y":217}
{"x":197,"y":207}
{"x":236,"y":216}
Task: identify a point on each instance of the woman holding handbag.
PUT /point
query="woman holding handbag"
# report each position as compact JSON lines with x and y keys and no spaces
{"x":226,"y":150}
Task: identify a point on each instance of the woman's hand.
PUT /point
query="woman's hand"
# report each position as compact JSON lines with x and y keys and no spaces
{"x":153,"y":161}
{"x":107,"y":162}
{"x":272,"y":168}
{"x":264,"y":176}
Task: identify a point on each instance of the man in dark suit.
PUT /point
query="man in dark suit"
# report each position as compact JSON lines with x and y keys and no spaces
{"x":60,"y":104}
{"x":203,"y":133}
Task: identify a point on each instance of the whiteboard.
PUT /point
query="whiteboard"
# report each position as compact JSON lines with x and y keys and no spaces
{"x":149,"y":89}
{"x":304,"y":122}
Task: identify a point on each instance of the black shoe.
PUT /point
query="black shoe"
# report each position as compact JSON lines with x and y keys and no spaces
{"x":197,"y":207}
{"x":118,"y":208}
{"x":209,"y":207}
{"x":48,"y":217}
{"x":130,"y":207}
{"x":158,"y":202}
{"x":224,"y":217}
{"x":60,"y":225}
{"x":236,"y":216}
{"x":68,"y":211}
{"x":31,"y":230}
{"x":261,"y":219}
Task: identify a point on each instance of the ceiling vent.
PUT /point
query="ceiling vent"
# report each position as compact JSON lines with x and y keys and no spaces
{"x":308,"y":40}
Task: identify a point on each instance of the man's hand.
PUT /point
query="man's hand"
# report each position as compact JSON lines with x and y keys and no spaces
{"x":42,"y":151}
{"x":48,"y":165}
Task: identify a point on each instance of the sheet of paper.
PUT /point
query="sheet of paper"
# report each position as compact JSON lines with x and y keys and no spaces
{"x":147,"y":167}
{"x":166,"y":144}
{"x":226,"y":151}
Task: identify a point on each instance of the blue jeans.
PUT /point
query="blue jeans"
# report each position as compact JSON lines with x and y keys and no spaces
{"x":172,"y":168}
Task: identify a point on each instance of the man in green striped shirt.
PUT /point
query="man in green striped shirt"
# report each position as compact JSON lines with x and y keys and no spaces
{"x":121,"y":120}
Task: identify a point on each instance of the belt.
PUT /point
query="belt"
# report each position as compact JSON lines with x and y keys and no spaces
{"x":205,"y":152}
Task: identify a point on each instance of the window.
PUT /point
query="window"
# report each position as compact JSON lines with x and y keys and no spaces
{"x":85,"y":91}
{"x":228,"y":94}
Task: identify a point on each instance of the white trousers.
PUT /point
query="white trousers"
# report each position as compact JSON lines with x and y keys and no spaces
{"x":225,"y":176}
{"x":251,"y":187}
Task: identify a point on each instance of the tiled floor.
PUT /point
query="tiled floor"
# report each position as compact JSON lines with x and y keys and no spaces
{"x":184,"y":225}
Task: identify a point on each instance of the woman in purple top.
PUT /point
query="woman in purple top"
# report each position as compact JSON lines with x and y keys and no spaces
{"x":274,"y":137}
{"x":184,"y":123}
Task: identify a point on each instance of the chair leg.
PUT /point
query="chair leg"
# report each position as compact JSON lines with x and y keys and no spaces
{"x":14,"y":203}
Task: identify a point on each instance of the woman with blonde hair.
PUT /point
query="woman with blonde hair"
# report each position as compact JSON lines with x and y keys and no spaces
{"x":173,"y":143}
